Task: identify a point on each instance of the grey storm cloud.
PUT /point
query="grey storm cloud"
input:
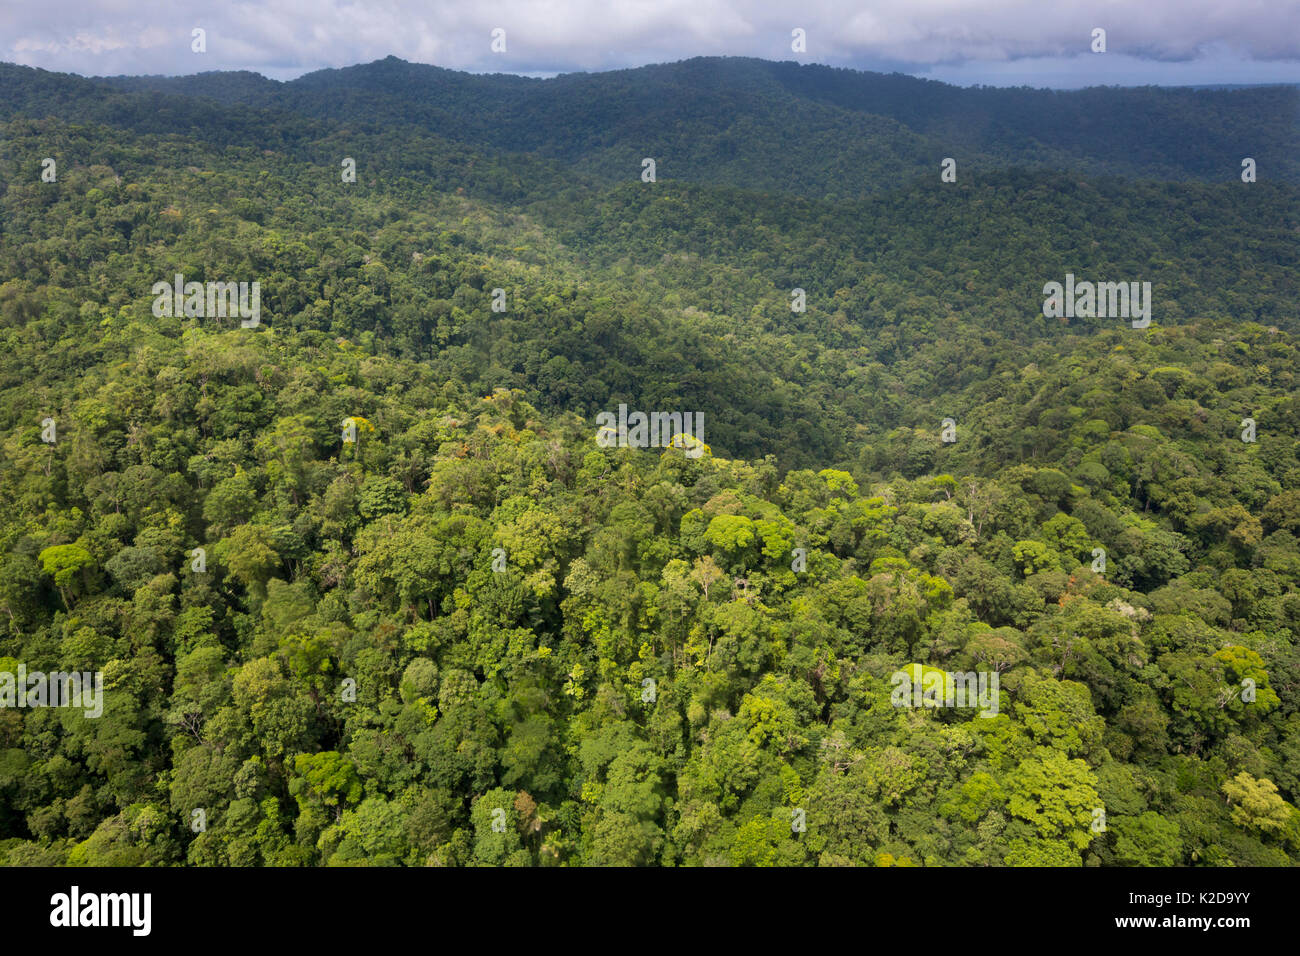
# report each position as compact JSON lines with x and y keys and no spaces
{"x":945,"y":38}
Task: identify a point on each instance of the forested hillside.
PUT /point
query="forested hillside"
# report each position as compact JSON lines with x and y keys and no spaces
{"x":432,"y":619}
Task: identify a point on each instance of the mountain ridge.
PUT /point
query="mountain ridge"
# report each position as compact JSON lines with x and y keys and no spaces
{"x":828,"y":131}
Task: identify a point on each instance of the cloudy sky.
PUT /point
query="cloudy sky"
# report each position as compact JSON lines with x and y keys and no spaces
{"x":1001,"y":42}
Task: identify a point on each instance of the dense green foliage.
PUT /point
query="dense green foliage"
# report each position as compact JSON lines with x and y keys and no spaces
{"x":349,"y":681}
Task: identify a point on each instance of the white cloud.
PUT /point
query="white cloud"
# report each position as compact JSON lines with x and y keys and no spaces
{"x":944,"y":37}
